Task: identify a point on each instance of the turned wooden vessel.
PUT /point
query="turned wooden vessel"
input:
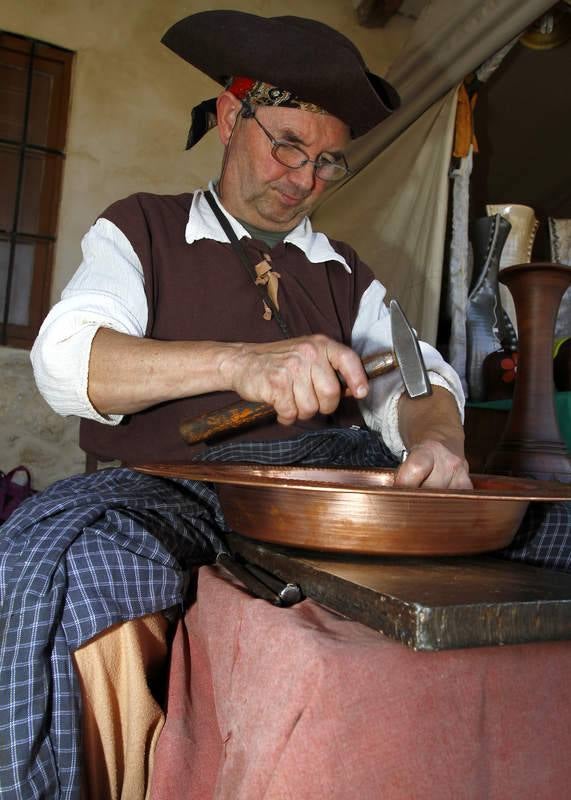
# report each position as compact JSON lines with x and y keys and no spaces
{"x":532,"y":444}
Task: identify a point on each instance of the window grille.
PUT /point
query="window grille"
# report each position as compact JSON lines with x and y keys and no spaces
{"x":34,"y":100}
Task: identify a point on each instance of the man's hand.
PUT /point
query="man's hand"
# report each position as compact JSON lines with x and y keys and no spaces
{"x":432,"y":431}
{"x":298,"y":377}
{"x":430,"y":464}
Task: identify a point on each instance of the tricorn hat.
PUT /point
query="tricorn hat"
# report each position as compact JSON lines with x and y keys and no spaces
{"x":306,"y":57}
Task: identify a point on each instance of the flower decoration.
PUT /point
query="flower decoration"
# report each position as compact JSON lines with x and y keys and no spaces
{"x":509,"y":368}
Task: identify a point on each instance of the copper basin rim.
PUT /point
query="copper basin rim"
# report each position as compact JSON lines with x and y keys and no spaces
{"x":361,"y":511}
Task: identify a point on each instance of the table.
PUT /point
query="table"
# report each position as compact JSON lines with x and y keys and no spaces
{"x":268,"y":703}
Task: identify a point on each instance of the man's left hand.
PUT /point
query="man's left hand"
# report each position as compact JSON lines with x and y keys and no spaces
{"x":431,"y":465}
{"x":432,"y":432}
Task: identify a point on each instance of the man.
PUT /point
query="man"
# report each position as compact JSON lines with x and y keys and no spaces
{"x":162,"y":323}
{"x":297,"y":376}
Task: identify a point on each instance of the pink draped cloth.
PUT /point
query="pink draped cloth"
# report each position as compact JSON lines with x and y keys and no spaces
{"x":300,"y":703}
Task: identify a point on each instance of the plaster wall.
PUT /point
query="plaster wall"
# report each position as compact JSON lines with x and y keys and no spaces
{"x":130,"y":108}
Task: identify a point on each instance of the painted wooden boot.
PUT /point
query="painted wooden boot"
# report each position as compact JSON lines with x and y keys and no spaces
{"x":519,"y":245}
{"x":486,"y":329}
{"x":560,"y":243}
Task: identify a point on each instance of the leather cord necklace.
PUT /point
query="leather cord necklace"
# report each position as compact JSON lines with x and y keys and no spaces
{"x":241,"y":253}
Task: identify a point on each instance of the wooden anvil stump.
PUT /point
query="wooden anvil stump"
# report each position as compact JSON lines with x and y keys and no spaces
{"x":532,"y":444}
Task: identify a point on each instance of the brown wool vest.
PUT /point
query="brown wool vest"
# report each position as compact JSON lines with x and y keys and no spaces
{"x":202,"y":292}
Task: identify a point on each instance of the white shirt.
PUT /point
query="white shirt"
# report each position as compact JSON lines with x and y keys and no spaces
{"x":108,"y":291}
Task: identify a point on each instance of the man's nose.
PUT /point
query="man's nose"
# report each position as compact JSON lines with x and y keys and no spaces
{"x":304,"y":177}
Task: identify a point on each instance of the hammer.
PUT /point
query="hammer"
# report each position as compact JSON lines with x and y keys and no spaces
{"x":405,"y":355}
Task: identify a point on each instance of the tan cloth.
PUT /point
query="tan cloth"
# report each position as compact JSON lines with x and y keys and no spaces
{"x":121,"y":673}
{"x":394,"y":212}
{"x":394,"y":209}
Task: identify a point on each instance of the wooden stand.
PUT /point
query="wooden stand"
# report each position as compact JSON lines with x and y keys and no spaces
{"x":427,"y":603}
{"x":532,"y":444}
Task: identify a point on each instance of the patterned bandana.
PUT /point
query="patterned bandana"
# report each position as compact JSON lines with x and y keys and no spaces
{"x":256,"y":92}
{"x":264,"y":94}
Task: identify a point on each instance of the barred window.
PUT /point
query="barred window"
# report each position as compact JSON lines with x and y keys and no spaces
{"x":34,"y":101}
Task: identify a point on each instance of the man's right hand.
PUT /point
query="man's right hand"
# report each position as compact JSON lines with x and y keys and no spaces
{"x":298,"y":377}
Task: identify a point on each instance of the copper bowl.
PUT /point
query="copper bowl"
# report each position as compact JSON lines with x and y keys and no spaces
{"x":361,"y":511}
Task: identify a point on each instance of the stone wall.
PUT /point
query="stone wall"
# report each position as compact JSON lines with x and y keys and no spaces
{"x":30,"y":432}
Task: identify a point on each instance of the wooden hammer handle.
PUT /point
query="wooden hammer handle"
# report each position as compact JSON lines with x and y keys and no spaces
{"x":246,"y":413}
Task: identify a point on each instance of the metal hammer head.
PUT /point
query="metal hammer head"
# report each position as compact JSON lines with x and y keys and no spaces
{"x":407,"y":353}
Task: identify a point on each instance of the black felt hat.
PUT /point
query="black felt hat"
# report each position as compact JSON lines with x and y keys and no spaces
{"x":306,"y":57}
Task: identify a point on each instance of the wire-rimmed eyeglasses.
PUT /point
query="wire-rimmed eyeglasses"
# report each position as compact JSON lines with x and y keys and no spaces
{"x":328,"y":167}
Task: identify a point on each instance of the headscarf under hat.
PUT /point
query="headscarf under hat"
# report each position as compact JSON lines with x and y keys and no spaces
{"x":256,"y":93}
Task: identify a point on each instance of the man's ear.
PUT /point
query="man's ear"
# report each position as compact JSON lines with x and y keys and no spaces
{"x":227,"y":109}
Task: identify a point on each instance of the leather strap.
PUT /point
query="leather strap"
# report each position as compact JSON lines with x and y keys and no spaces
{"x":241,"y":253}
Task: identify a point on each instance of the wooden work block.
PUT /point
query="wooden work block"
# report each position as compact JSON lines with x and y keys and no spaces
{"x":428,"y":603}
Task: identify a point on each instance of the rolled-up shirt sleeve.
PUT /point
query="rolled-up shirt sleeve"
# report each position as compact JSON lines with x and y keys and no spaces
{"x":372,"y":333}
{"x":106,"y":291}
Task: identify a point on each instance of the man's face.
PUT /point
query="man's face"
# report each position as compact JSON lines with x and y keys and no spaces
{"x":257,"y":188}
